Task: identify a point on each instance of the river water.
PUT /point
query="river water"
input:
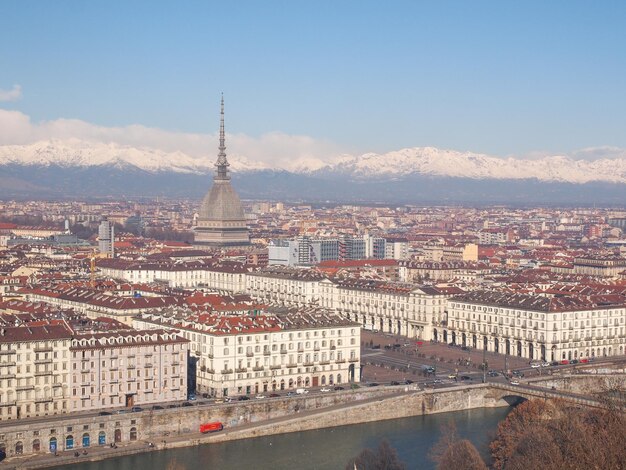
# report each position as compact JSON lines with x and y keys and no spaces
{"x":318,"y":450}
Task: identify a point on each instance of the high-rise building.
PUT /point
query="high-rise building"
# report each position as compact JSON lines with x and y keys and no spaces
{"x":221,"y":221}
{"x":106,"y":238}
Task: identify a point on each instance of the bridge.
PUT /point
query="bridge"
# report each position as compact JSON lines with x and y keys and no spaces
{"x":515,"y":394}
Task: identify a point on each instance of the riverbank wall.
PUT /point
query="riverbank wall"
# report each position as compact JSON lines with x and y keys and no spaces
{"x":179,"y":428}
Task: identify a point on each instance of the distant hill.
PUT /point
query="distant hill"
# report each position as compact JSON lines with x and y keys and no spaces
{"x":79,"y":169}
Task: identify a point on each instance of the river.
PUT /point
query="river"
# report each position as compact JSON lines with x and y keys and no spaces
{"x":320,"y":449}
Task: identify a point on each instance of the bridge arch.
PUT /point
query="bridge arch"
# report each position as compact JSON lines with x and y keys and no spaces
{"x":513,"y":400}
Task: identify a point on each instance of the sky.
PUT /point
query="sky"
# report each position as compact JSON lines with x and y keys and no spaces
{"x":319,"y":79}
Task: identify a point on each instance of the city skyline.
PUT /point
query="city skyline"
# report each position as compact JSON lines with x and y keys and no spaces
{"x":312,"y":84}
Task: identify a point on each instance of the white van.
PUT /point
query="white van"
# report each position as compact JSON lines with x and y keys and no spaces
{"x":301,"y":391}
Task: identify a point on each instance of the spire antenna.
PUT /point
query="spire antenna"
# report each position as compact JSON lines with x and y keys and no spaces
{"x":222,"y":163}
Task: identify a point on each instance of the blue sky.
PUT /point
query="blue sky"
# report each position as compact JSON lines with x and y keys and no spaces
{"x":498,"y":77}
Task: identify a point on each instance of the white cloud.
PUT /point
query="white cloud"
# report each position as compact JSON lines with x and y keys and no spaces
{"x":272,"y":150}
{"x":13,"y":94}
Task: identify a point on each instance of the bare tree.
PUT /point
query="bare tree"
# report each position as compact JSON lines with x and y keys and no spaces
{"x":452,"y":452}
{"x":384,"y":458}
{"x":554,"y":435}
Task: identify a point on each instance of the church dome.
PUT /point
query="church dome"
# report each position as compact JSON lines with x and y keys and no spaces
{"x":221,"y":203}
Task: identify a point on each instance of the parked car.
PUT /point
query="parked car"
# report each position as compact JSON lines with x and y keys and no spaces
{"x":290,"y":394}
{"x":395,"y":382}
{"x":535,"y":365}
{"x":324,"y":389}
{"x":185,"y":403}
{"x":584,"y":360}
{"x":465,"y":377}
{"x":274,"y":395}
{"x":574,"y":361}
{"x":157,"y":407}
{"x":338,"y":387}
{"x":192,"y":397}
{"x":259,"y":397}
{"x":564,"y":362}
{"x":408,"y":382}
{"x":105,"y":413}
{"x":514,"y":382}
{"x":373,"y":384}
{"x":555,"y":363}
{"x":452,"y":376}
{"x":302,"y":391}
{"x":243,"y":398}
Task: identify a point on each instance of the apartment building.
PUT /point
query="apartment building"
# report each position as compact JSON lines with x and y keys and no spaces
{"x":391,"y":307}
{"x":240,"y":355}
{"x":226,"y":276}
{"x":285,"y":286}
{"x":127,"y":368}
{"x":34,"y":369}
{"x":537,"y":327}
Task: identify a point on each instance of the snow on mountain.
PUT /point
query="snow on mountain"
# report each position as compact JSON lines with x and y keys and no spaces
{"x":77,"y":153}
{"x":437,"y":162}
{"x":427,"y":161}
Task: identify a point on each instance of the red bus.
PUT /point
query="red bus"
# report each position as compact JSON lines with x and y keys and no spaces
{"x":211,"y":427}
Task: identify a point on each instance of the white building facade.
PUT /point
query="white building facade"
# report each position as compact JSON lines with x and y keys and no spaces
{"x":245,"y":355}
{"x":534,"y":327}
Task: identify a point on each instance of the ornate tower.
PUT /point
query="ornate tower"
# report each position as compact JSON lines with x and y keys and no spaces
{"x":221,"y":221}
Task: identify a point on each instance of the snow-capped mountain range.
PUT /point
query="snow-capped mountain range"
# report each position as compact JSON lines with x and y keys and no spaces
{"x":424,"y":161}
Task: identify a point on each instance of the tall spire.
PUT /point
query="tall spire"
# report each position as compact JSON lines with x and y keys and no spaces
{"x":222,"y":163}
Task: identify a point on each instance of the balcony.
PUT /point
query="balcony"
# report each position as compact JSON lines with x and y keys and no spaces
{"x":7,"y":364}
{"x":324,"y":363}
{"x":226,"y":371}
{"x":249,"y":354}
{"x":24,"y":387}
{"x":275,"y":367}
{"x":43,"y":372}
{"x":353,"y":359}
{"x":258,"y":369}
{"x":8,"y":352}
{"x":291,"y":365}
{"x":308,"y":364}
{"x":43,"y":349}
{"x":340,"y":361}
{"x":267,"y":353}
{"x":147,"y":365}
{"x":7,"y":376}
{"x":332,"y":348}
{"x":241,"y":370}
{"x":8,"y":403}
{"x":283,"y":351}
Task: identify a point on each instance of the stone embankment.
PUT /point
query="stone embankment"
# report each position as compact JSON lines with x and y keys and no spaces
{"x":179,"y":427}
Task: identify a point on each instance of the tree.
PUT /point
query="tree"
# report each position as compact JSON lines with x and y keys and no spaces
{"x":555,"y":434}
{"x":384,"y":458}
{"x":452,"y":452}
